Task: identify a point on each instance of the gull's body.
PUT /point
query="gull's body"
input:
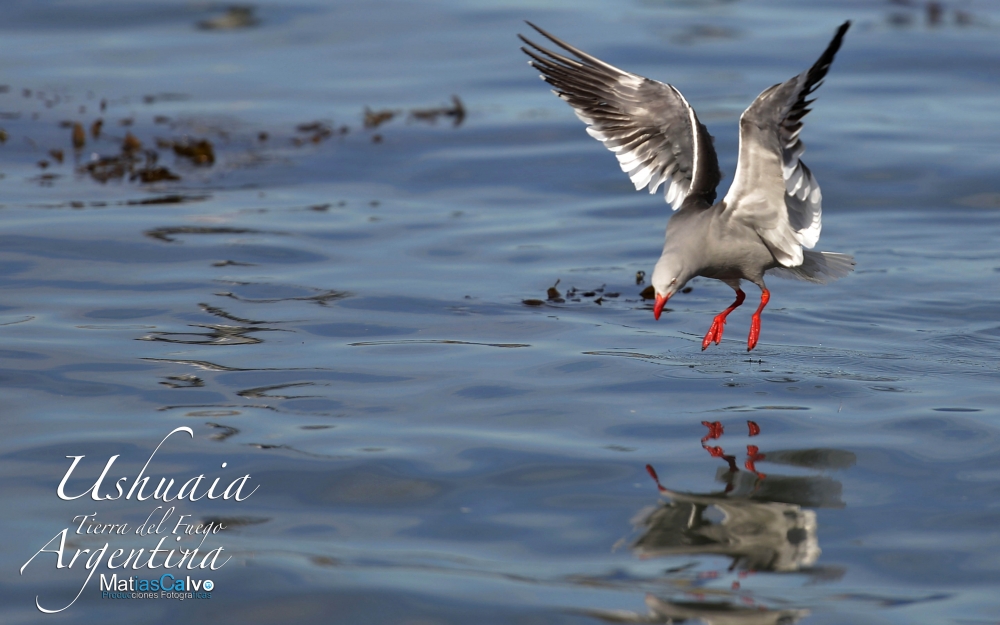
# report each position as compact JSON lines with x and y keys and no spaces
{"x":773,"y":208}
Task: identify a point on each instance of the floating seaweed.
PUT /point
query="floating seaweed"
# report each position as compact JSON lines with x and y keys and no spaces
{"x":201,"y":151}
{"x":317,"y":130}
{"x":105,"y":168}
{"x":553,"y":294}
{"x":154,"y":174}
{"x":164,"y":97}
{"x":236,"y":16}
{"x":45,"y":180}
{"x":129,"y":144}
{"x":79,"y":136}
{"x":374,"y":119}
{"x":165,"y":199}
{"x":456,"y":112}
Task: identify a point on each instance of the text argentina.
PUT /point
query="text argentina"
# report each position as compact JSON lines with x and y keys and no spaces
{"x":186,"y":559}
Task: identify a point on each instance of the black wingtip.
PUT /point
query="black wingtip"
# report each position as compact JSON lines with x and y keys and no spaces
{"x":536,"y":27}
{"x":822,"y":64}
{"x":839,"y":37}
{"x":525,"y":39}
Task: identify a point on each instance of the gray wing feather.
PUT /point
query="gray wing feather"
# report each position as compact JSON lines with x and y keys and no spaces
{"x":787,"y":216}
{"x":650,"y":127}
{"x":818,"y":267}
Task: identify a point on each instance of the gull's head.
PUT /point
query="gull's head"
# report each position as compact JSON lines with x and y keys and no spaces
{"x":669,"y":277}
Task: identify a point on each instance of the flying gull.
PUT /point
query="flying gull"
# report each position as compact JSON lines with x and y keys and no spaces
{"x":772,"y":210}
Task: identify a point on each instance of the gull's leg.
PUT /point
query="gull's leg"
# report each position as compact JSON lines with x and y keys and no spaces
{"x":715,"y":332}
{"x":765,"y":296}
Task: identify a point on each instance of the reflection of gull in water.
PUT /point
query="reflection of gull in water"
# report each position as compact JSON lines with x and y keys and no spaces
{"x":719,"y":613}
{"x":760,"y":536}
{"x":761,"y":524}
{"x":764,"y":525}
{"x":662,"y":611}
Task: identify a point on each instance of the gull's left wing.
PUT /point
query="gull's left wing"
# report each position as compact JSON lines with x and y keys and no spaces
{"x":773,"y":189}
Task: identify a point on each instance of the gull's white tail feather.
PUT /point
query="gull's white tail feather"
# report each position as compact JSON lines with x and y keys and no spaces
{"x":818,"y":267}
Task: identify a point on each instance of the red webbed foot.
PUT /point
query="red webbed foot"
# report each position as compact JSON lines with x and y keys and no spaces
{"x":765,"y":296}
{"x":714,"y":333}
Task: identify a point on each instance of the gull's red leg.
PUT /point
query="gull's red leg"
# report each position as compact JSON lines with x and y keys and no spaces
{"x":715,"y":332}
{"x":765,"y":296}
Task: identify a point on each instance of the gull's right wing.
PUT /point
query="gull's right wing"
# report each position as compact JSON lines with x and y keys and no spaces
{"x":649,"y":125}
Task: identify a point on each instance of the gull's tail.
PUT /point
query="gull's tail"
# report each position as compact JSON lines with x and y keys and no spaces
{"x":818,"y":267}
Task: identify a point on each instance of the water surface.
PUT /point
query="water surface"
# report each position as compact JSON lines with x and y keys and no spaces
{"x":338,"y":311}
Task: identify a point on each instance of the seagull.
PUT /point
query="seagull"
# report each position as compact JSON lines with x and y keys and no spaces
{"x":773,"y":208}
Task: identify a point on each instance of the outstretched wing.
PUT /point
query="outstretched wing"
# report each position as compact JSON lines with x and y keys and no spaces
{"x":773,"y":190}
{"x":649,"y":125}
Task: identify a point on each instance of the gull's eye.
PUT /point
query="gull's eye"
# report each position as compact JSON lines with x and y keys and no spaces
{"x":673,"y":282}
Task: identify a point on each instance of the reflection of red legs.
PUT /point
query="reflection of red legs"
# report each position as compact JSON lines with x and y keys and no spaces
{"x":714,"y":430}
{"x":656,"y":478}
{"x":717,"y":452}
{"x":765,"y":296}
{"x":715,"y":332}
{"x":753,"y":455}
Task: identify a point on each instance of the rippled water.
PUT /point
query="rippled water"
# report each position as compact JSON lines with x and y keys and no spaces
{"x":339,"y":314}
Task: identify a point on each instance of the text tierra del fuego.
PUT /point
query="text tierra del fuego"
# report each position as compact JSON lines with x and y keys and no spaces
{"x":161,"y":520}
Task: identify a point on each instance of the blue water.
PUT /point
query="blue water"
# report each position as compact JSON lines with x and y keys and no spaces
{"x":343,"y":319}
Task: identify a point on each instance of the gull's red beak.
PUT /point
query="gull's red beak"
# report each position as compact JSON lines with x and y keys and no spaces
{"x":658,"y":306}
